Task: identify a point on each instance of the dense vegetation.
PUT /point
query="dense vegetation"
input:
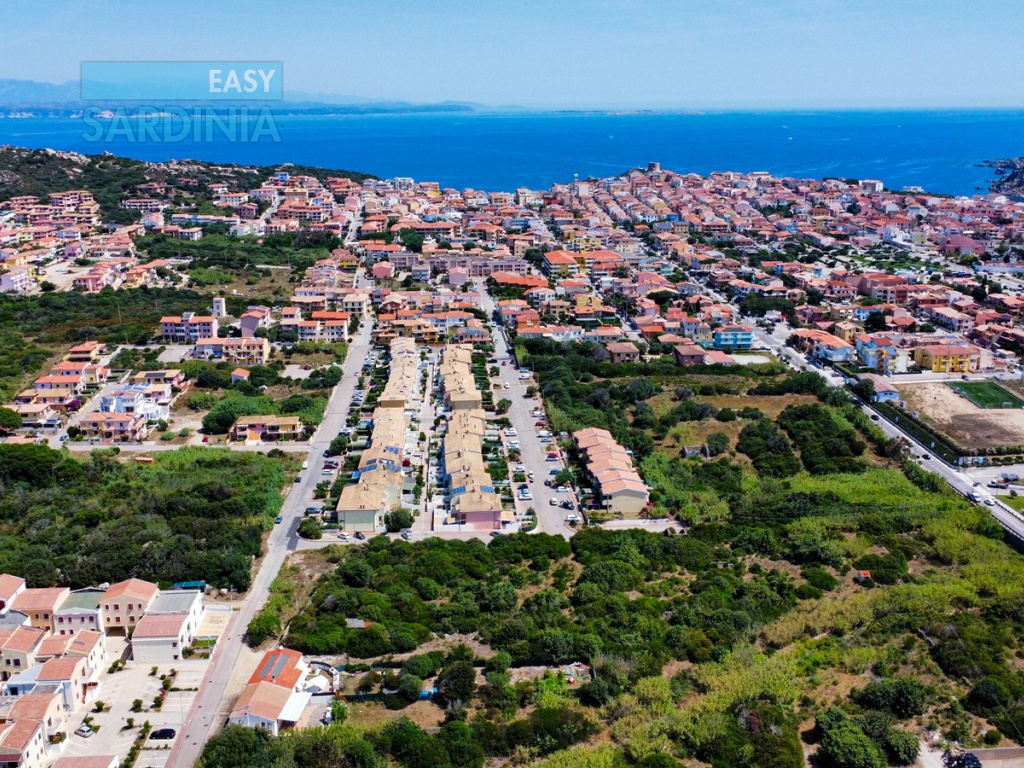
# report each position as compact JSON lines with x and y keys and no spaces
{"x":718,"y":645}
{"x":192,"y":514}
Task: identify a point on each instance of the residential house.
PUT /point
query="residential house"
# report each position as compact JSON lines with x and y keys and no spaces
{"x":125,"y":603}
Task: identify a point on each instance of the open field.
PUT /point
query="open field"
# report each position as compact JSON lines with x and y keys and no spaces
{"x":956,"y":416}
{"x":986,"y":394}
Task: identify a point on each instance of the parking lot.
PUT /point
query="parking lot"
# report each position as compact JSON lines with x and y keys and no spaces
{"x":118,"y":691}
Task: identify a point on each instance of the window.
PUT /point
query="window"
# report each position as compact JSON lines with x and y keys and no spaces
{"x":174,"y":645}
{"x":60,"y":620}
{"x":117,"y":607}
{"x":17,"y":662}
{"x":117,"y":619}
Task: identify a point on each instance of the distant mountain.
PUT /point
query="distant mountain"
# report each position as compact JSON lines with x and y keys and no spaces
{"x":25,"y":98}
{"x":31,"y":92}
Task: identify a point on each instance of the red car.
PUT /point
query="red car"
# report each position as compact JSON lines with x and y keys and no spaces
{"x":538,"y":423}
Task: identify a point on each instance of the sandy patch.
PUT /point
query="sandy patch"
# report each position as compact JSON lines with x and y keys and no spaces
{"x":966,"y":423}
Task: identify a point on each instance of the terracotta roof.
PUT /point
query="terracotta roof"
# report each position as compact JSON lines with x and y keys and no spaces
{"x":264,"y":700}
{"x":25,"y":638}
{"x":155,"y":625}
{"x":32,"y":706}
{"x":279,"y":667}
{"x":60,"y":669}
{"x":18,"y":735}
{"x":136,"y":588}
{"x":10,"y":584}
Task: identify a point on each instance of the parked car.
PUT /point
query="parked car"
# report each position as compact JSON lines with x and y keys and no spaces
{"x":84,"y":731}
{"x":163,"y":734}
{"x":298,"y":478}
{"x":360,"y":535}
{"x":494,"y":534}
{"x":553,"y":502}
{"x":278,"y":519}
{"x":342,"y":536}
{"x":305,"y":465}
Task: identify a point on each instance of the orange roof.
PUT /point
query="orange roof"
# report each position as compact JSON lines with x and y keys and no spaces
{"x":10,"y":584}
{"x":264,"y":700}
{"x":279,"y":667}
{"x":160,"y":625}
{"x":136,"y":588}
{"x":18,"y":735}
{"x":39,"y":599}
{"x":24,"y":638}
{"x":61,"y":669}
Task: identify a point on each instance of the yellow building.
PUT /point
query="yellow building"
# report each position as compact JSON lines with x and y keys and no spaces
{"x":945,"y":358}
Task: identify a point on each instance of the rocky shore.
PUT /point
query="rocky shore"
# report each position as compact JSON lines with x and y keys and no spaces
{"x":1009,"y":176}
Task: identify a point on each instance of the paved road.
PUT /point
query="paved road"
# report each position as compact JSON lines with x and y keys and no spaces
{"x":550,"y":519}
{"x":206,"y":716}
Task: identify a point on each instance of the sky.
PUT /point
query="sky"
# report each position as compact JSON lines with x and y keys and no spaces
{"x":553,"y":54}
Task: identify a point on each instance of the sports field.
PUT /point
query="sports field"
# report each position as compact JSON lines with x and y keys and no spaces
{"x":985,"y":394}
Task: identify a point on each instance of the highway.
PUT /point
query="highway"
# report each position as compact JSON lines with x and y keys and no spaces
{"x":208,"y":712}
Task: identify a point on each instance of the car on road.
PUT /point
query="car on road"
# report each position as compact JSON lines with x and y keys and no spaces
{"x":572,"y":518}
{"x":360,"y":536}
{"x":965,"y":377}
{"x":407,"y":535}
{"x":206,"y":438}
{"x":553,"y":502}
{"x":874,"y":417}
{"x":278,"y":519}
{"x":990,"y":502}
{"x":305,"y":465}
{"x":926,"y":457}
{"x":510,"y":432}
{"x":530,"y":476}
{"x":539,"y":424}
{"x":342,"y":536}
{"x":298,"y":478}
{"x":314,"y":510}
{"x":514,"y":444}
{"x":63,"y":438}
{"x":566,"y":505}
{"x":163,"y":734}
{"x":326,"y":454}
{"x":494,"y":534}
{"x":505,"y":385}
{"x":561,"y":489}
{"x":84,"y":731}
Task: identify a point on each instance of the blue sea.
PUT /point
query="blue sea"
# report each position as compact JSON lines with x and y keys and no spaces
{"x":935,"y":150}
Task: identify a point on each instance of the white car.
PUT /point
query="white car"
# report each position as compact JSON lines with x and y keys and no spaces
{"x":553,"y":502}
{"x":510,"y":432}
{"x":572,"y":518}
{"x":505,"y":385}
{"x":305,"y":465}
{"x":513,"y":444}
{"x":562,"y":489}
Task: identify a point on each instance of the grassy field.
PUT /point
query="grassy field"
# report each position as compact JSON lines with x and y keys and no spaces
{"x":986,"y":394}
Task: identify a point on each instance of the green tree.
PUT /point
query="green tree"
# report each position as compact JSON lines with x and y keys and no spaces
{"x":310,"y":529}
{"x":456,"y":684}
{"x":9,"y":420}
{"x":844,"y":744}
{"x":397,"y":520}
{"x":503,"y":406}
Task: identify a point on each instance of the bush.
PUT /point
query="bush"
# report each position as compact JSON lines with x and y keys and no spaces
{"x":263,"y":626}
{"x":844,"y":744}
{"x":903,"y":696}
{"x":310,"y":529}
